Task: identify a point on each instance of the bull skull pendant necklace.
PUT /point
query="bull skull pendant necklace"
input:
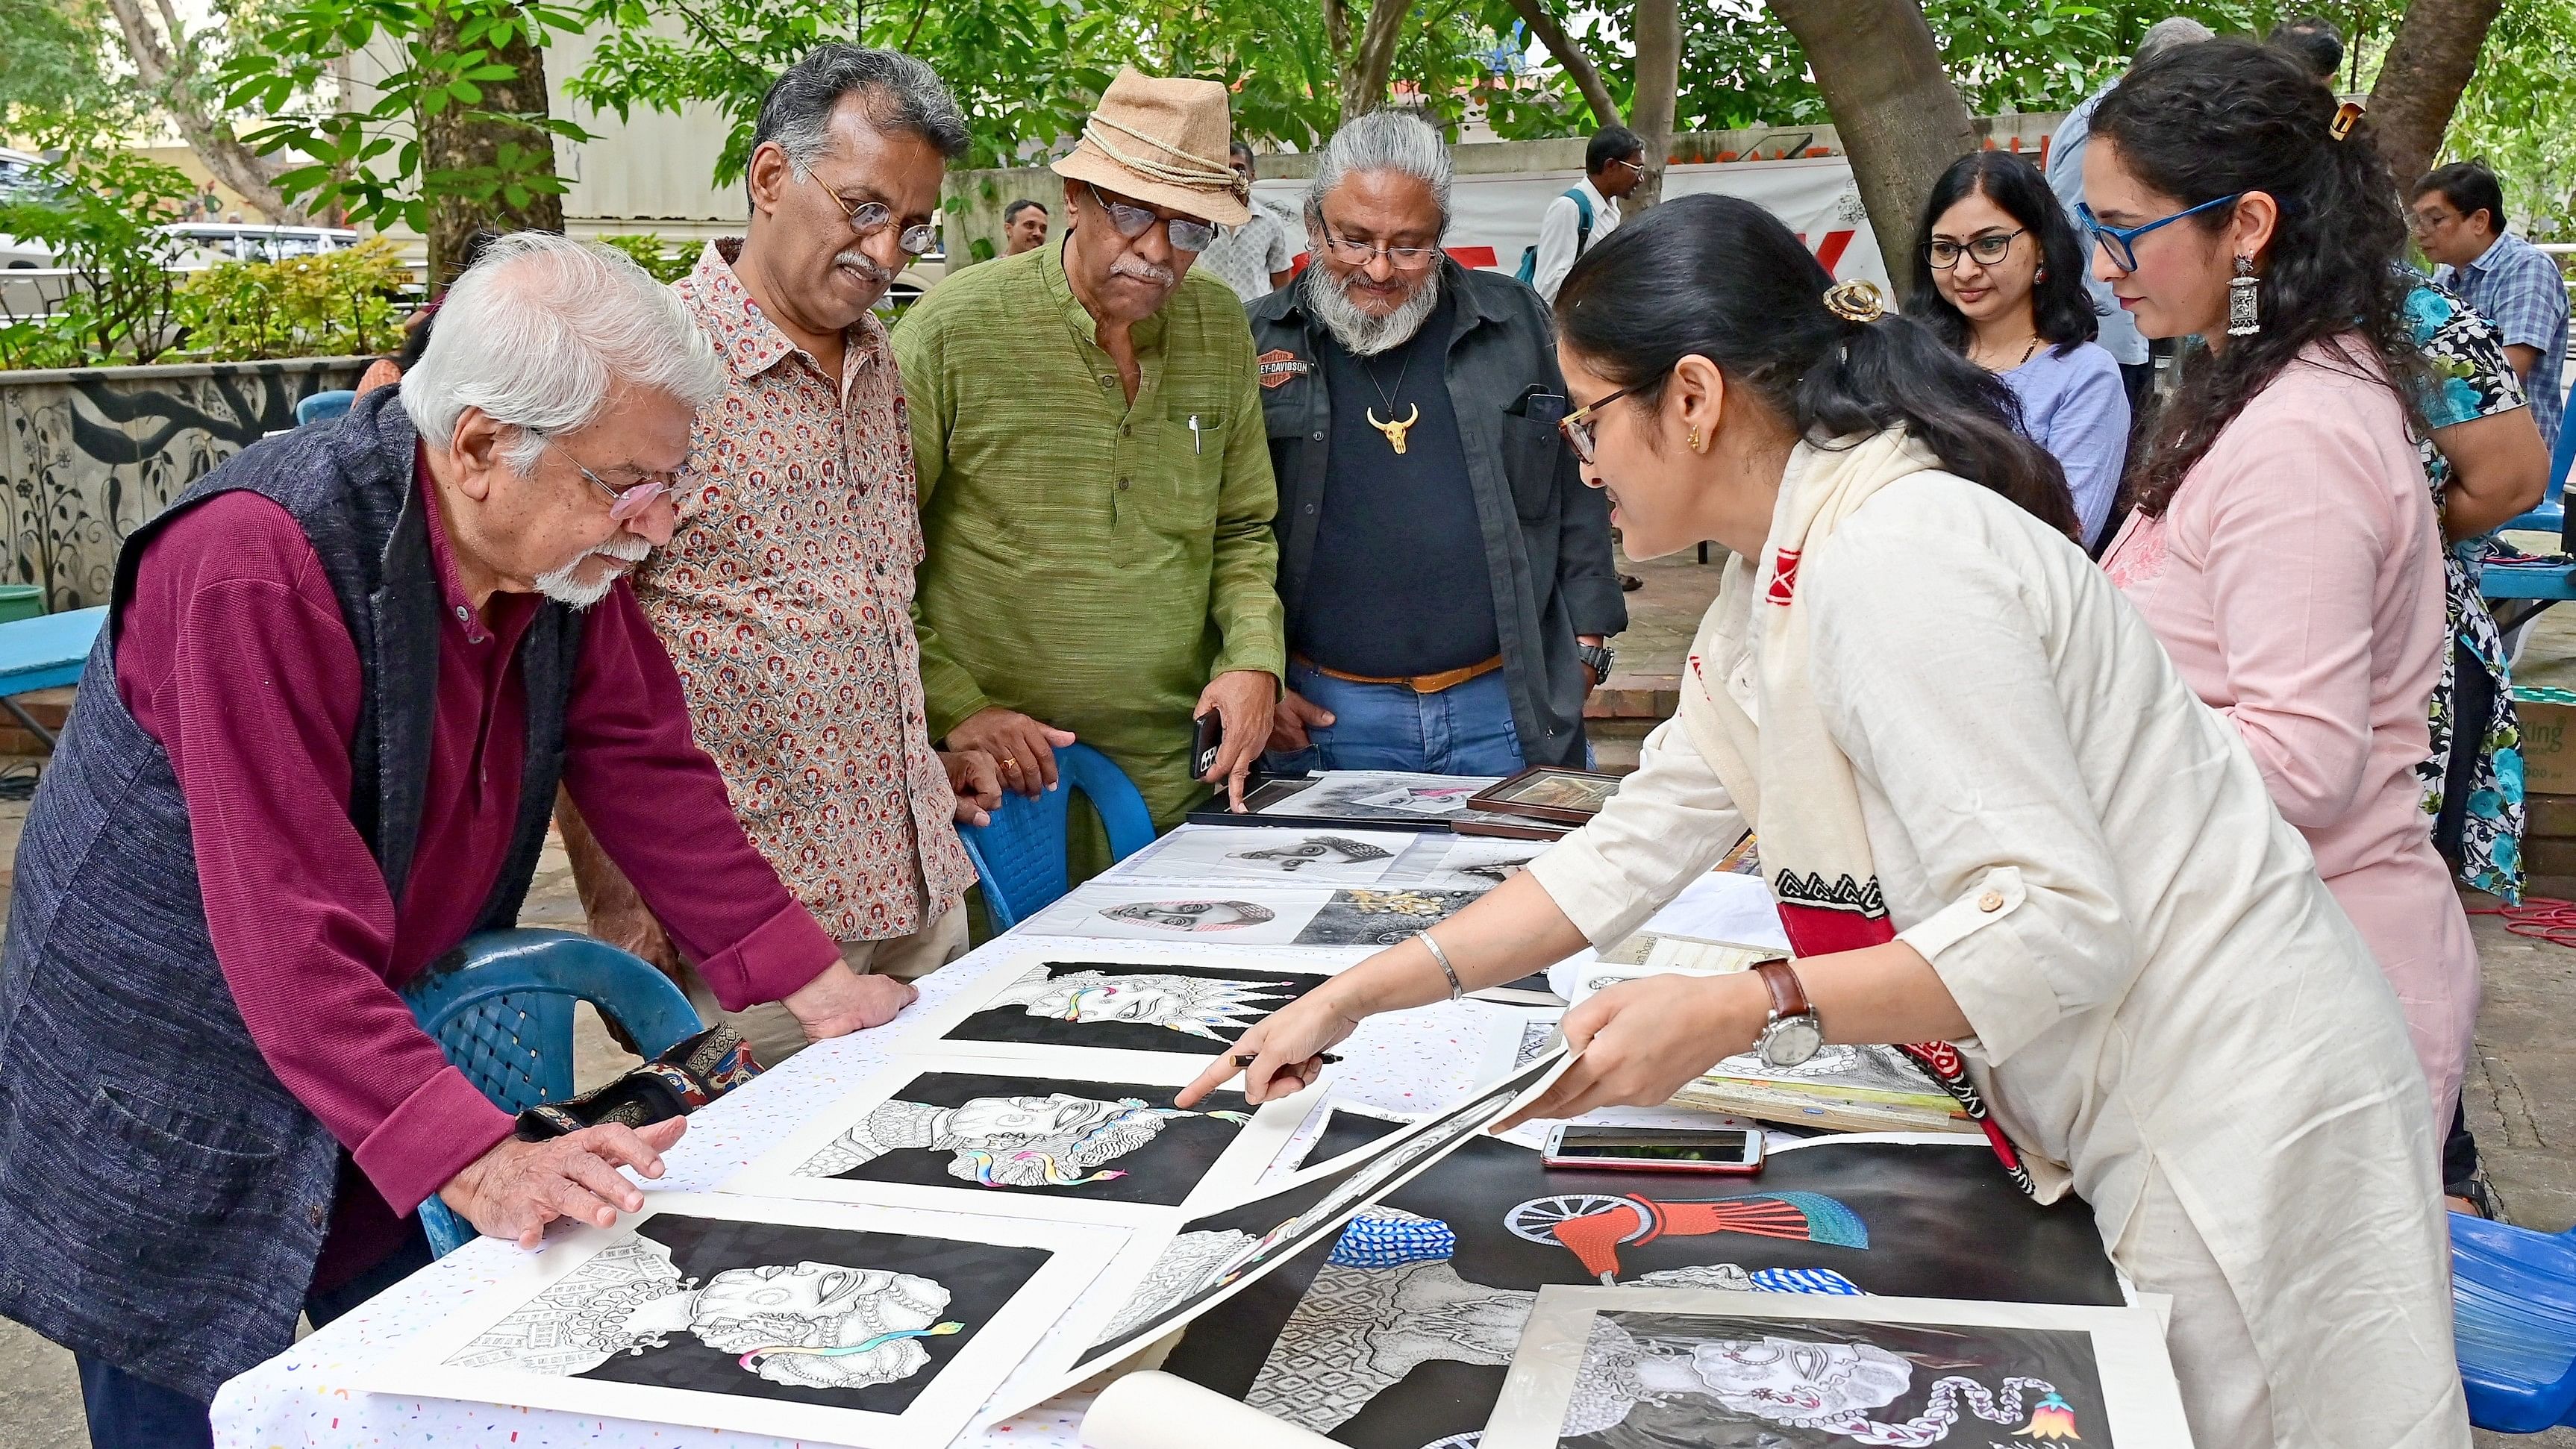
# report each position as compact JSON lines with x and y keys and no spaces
{"x":1394,"y":431}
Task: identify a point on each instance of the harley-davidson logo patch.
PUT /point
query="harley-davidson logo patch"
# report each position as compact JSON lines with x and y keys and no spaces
{"x":1279,"y":366}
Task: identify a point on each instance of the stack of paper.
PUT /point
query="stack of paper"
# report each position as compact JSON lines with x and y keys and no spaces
{"x":1839,"y":1089}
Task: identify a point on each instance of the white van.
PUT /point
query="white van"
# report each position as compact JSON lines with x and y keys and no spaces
{"x":210,"y":243}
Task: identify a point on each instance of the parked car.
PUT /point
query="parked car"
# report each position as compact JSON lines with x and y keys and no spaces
{"x":210,"y":243}
{"x":17,"y":178}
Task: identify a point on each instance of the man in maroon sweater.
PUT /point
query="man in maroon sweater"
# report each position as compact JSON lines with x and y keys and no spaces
{"x":552,"y":409}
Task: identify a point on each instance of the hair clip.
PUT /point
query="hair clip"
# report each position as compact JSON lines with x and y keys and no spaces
{"x":1856,"y":301}
{"x":2344,"y":117}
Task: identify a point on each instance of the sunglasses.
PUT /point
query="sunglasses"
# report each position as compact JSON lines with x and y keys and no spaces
{"x":623,"y":503}
{"x":1577,"y":425}
{"x":2122,"y":241}
{"x":1989,"y":249}
{"x":1187,"y":234}
{"x":870,"y":217}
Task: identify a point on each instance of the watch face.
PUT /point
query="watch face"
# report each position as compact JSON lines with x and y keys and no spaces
{"x":1791,"y":1041}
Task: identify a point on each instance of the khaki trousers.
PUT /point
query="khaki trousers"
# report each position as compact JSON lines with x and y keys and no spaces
{"x":773,"y":1031}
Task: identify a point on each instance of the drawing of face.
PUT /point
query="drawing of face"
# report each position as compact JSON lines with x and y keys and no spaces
{"x":1194,"y":1004}
{"x":1330,"y":849}
{"x":1141,"y":999}
{"x":820,"y":1325}
{"x":1782,"y":1379}
{"x":1012,"y":1120}
{"x":1192,"y":918}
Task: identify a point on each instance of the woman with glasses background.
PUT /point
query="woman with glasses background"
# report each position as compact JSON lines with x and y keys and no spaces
{"x":2284,"y":544}
{"x":1999,"y":275}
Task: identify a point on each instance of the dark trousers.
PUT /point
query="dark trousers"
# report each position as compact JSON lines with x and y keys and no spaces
{"x":129,"y":1412}
{"x":2473,"y":706}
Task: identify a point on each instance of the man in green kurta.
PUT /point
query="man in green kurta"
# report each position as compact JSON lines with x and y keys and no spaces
{"x":1095,"y":480}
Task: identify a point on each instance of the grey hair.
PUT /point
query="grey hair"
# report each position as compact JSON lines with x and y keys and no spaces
{"x":2169,"y":32}
{"x":538,"y":331}
{"x":898,"y":94}
{"x":1382,"y":141}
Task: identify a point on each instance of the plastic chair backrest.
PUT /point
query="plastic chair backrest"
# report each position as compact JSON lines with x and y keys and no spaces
{"x":501,"y":1008}
{"x":1020,"y":857}
{"x":322,"y":407}
{"x":2560,"y":460}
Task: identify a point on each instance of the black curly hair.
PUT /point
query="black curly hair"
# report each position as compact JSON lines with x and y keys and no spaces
{"x":1721,"y":278}
{"x":2060,"y":309}
{"x":2222,"y":117}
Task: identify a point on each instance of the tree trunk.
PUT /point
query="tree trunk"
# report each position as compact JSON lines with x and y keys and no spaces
{"x":1658,"y":27}
{"x":464,"y":140}
{"x":1578,"y":66}
{"x":2428,"y":65}
{"x":1372,"y":59}
{"x":168,"y":70}
{"x":1900,"y":120}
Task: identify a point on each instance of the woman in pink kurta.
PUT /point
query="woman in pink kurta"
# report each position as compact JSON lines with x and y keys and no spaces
{"x":2285,"y":547}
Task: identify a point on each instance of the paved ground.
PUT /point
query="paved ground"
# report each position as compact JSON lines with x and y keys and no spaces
{"x":2521,"y":1090}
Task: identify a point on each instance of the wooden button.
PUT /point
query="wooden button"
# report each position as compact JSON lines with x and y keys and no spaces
{"x":1991,"y":902}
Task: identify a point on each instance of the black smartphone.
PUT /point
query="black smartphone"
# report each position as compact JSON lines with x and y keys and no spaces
{"x":1206,"y":733}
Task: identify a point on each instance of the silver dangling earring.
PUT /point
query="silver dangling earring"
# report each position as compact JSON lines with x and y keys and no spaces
{"x":2241,"y":318}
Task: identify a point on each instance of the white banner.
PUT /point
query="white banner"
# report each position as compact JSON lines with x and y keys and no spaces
{"x":1494,"y":216}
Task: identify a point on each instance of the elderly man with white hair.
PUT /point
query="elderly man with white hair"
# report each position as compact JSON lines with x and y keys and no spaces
{"x":315,"y":748}
{"x":1447,"y":577}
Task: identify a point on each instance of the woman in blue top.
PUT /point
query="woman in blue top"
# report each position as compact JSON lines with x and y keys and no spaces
{"x":1998,"y":272}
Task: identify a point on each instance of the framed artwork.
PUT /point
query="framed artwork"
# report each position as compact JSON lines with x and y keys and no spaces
{"x":1135,"y":1015}
{"x":1213,"y":1256}
{"x":1381,"y":795}
{"x":1273,"y":804}
{"x":1549,"y":792}
{"x":1280,"y":857}
{"x":1063,"y":1139}
{"x":1400,"y":1332}
{"x":1641,"y":1368}
{"x":879,"y":1327}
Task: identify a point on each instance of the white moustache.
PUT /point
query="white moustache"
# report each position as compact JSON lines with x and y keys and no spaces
{"x":865,"y":266}
{"x":1143,"y":271}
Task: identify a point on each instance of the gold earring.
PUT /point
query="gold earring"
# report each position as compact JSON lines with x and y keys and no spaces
{"x":1693,"y":440}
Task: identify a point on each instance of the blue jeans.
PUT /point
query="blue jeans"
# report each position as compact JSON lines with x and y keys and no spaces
{"x":130,"y":1412}
{"x":1463,"y":730}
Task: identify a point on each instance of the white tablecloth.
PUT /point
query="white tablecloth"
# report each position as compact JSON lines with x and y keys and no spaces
{"x":1406,"y":1062}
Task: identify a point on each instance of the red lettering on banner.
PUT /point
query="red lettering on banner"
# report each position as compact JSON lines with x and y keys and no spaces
{"x":1831,"y":253}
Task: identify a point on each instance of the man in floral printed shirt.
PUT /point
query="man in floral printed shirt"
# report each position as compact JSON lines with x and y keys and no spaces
{"x":785,"y":594}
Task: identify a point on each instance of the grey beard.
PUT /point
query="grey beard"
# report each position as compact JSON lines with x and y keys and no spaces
{"x":561,"y":586}
{"x":1359,"y":333}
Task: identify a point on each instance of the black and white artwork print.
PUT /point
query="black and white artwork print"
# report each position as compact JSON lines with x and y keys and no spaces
{"x":1381,"y":917}
{"x":805,"y":1315}
{"x":1183,"y":1010}
{"x":1301,"y":857}
{"x":1098,"y":1141}
{"x":1664,"y":1380}
{"x":1361,"y":795}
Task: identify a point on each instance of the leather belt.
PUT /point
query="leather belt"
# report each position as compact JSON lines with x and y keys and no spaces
{"x":1418,"y":683}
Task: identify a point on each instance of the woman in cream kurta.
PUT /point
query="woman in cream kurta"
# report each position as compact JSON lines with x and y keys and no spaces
{"x":2090,"y":890}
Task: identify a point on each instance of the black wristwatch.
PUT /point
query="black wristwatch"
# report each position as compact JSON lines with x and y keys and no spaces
{"x":1600,"y":657}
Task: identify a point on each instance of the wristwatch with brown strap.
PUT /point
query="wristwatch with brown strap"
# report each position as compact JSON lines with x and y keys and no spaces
{"x":1793,"y":1034}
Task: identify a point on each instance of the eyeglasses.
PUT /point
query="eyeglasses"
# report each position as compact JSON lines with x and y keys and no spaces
{"x":1577,"y":425}
{"x":1989,"y":249}
{"x":623,"y":503}
{"x":1637,"y":166}
{"x":1352,"y":253}
{"x":1187,"y":233}
{"x":2122,"y":241}
{"x":2420,"y":222}
{"x":870,"y":217}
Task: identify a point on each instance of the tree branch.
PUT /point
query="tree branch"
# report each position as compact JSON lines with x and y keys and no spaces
{"x":2429,"y":64}
{"x":1569,"y":56}
{"x":1901,"y":121}
{"x":1364,"y":75}
{"x":169,"y":79}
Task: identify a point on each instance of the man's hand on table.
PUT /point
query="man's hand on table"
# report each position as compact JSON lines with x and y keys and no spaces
{"x":840,"y":1001}
{"x":1243,"y":700}
{"x":976,"y":779}
{"x":1024,"y":748}
{"x":518,"y":1187}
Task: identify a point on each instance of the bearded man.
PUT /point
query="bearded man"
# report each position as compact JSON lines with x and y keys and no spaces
{"x":1094,"y":490}
{"x":1447,"y":578}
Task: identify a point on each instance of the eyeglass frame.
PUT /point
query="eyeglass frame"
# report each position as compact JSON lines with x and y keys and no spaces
{"x":624,"y":504}
{"x":2121,"y":242}
{"x":915,"y":239}
{"x":1119,"y":211}
{"x":1429,"y":256}
{"x":1577,"y":425}
{"x":1968,"y":248}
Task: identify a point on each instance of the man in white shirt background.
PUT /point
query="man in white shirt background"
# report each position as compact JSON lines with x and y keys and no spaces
{"x":1612,"y":166}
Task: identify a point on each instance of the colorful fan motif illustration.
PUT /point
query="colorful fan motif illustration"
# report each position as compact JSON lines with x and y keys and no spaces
{"x":1594,"y":1226}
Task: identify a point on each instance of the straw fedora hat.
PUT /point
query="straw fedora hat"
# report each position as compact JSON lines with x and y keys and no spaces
{"x":1162,"y":142}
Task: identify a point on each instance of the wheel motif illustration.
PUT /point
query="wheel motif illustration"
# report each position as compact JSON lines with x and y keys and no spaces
{"x":1535,"y":1219}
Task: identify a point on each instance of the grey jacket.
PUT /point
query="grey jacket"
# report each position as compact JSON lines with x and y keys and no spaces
{"x":1547,"y":537}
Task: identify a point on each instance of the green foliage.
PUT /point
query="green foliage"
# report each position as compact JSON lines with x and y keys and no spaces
{"x":53,"y":66}
{"x":369,"y":162}
{"x":98,"y":211}
{"x":664,"y":262}
{"x":2519,"y":116}
{"x":336,"y":304}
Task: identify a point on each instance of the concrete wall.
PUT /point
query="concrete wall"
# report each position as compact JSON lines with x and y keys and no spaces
{"x":88,"y":455}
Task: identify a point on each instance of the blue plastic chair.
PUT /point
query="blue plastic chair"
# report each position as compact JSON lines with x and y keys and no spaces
{"x":2513,"y":1300}
{"x":501,"y":1008}
{"x":322,"y":407}
{"x":1020,"y":857}
{"x":2551,"y":515}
